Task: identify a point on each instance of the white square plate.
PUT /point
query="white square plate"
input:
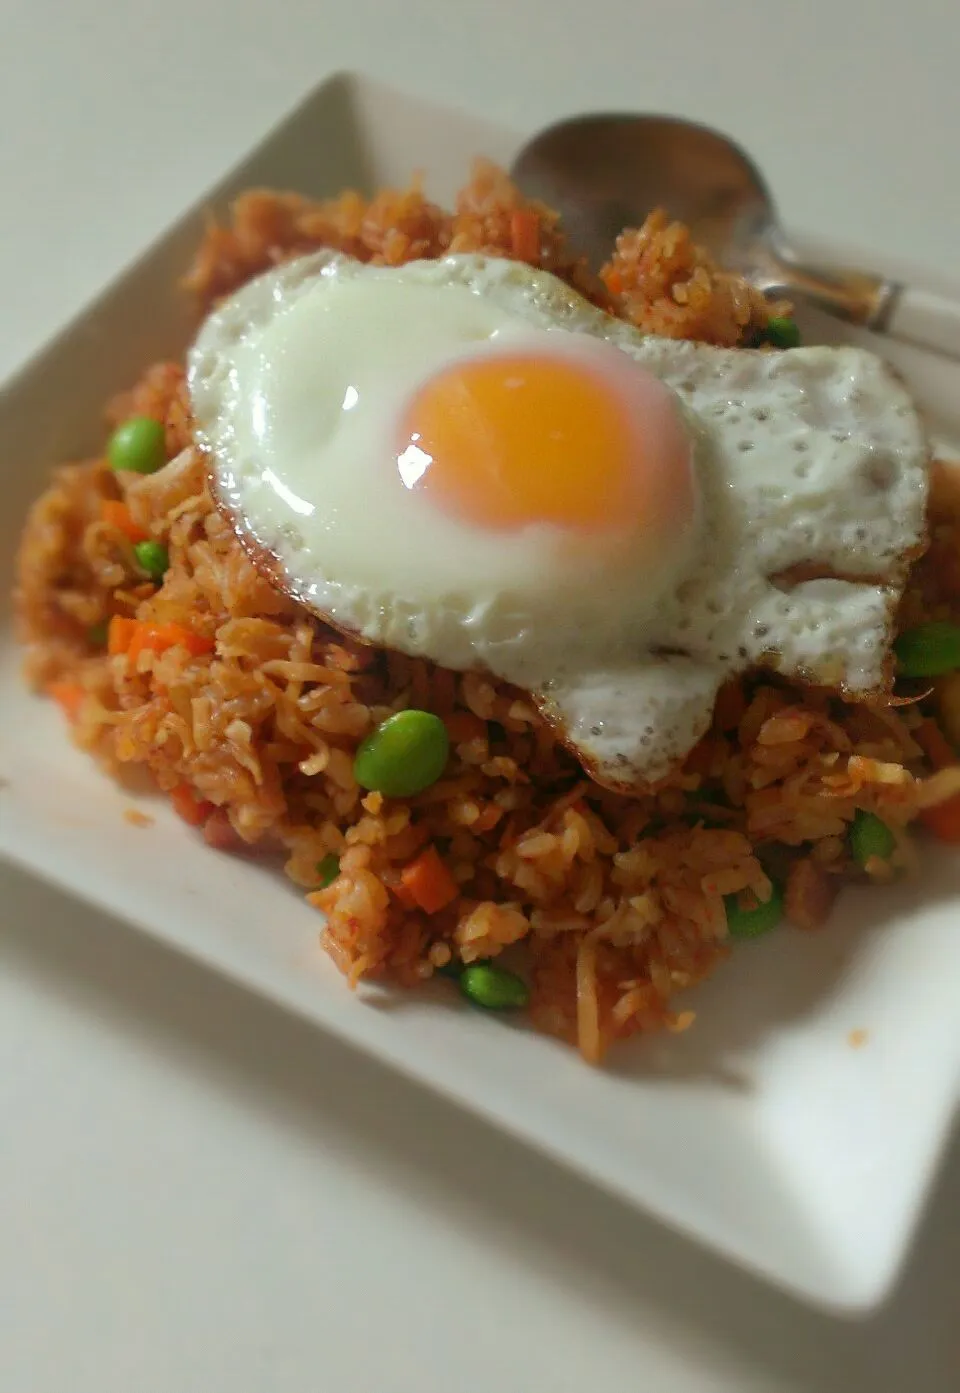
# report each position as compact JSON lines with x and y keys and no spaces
{"x":761,"y":1132}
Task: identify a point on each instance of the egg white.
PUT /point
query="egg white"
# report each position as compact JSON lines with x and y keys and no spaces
{"x":813,"y":457}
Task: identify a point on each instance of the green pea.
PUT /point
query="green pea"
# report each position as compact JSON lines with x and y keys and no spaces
{"x":760,"y":919}
{"x":929,"y":650}
{"x":870,"y":836}
{"x":327,"y":870}
{"x":138,"y":445}
{"x":782,"y":331}
{"x":493,"y":988}
{"x":153,"y":558}
{"x":97,"y":634}
{"x":404,"y":755}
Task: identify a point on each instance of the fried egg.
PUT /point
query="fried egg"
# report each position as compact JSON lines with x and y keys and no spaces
{"x":463,"y":460}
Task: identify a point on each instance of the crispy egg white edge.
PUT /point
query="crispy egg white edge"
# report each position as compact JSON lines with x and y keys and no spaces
{"x":615,"y":755}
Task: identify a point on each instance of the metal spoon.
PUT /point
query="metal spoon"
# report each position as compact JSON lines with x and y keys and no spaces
{"x":607,"y":172}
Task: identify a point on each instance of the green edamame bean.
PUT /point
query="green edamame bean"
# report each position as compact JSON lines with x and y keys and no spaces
{"x":782,"y":332}
{"x":327,"y":870}
{"x":929,"y":650}
{"x":759,"y":918}
{"x":870,"y":836}
{"x":404,"y":755}
{"x":153,"y":558}
{"x":493,"y":987}
{"x":138,"y":445}
{"x":97,"y":634}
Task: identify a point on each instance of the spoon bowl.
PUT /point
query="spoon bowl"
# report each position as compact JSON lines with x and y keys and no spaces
{"x":606,"y":172}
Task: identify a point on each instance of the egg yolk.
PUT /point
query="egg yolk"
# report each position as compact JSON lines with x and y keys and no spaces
{"x":589,"y":442}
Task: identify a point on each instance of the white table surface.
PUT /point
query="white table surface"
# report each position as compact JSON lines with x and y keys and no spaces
{"x":196,"y":1193}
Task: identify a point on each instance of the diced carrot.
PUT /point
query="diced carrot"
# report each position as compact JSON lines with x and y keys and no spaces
{"x":935,"y":744}
{"x":429,"y":882}
{"x":157,"y":638}
{"x":463,"y":726}
{"x":943,"y":820}
{"x":189,"y":805}
{"x":139,"y":640}
{"x":120,"y":634}
{"x":116,"y":514}
{"x":614,"y":282}
{"x":525,"y":234}
{"x":166,"y":636}
{"x":68,"y":696}
{"x":488,"y":819}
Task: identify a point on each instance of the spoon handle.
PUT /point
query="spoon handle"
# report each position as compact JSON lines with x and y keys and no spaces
{"x":887,"y":307}
{"x":931,"y":321}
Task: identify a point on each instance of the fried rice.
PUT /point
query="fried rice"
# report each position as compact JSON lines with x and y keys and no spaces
{"x":611,"y":907}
